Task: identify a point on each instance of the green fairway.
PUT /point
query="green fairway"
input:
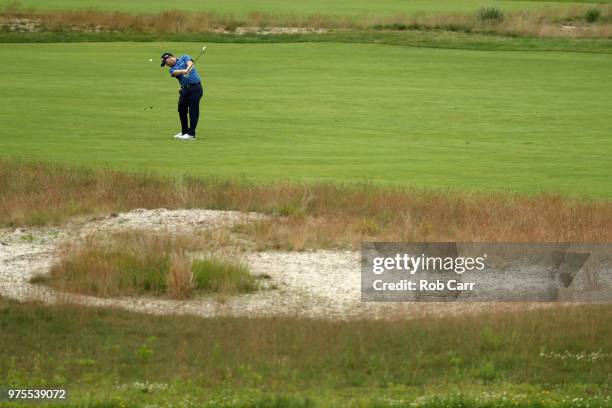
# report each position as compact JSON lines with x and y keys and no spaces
{"x":344,"y":7}
{"x":481,"y":120}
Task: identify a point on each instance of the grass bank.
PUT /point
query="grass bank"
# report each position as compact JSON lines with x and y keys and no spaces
{"x":304,"y":215}
{"x":547,"y":358}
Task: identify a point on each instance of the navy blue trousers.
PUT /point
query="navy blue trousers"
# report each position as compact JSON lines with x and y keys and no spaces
{"x":189,"y":108}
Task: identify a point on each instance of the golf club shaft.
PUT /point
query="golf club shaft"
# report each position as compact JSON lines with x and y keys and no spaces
{"x":196,"y":60}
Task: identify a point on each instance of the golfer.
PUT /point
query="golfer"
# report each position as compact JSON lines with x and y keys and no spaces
{"x":189,"y":95}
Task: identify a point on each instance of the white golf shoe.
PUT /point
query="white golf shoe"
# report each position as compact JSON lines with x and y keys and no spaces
{"x":186,"y":137}
{"x":178,"y":135}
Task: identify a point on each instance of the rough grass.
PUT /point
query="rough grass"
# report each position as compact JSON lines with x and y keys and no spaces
{"x":218,"y":276}
{"x":114,"y":356}
{"x":304,"y":215}
{"x":144,"y":263}
{"x":548,"y":22}
{"x":490,"y":14}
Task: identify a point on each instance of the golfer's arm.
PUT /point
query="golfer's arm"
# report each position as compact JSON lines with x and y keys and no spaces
{"x":180,"y":72}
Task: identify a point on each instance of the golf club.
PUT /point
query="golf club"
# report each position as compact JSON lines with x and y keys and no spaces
{"x":196,"y":60}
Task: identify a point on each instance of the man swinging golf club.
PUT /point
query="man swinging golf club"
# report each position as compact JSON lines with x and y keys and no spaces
{"x":182,"y":68}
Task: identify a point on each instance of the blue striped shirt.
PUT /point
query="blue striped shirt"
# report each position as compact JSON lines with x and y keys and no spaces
{"x":181,"y":63}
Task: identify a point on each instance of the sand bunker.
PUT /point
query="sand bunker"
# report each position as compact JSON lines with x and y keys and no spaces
{"x":318,"y":284}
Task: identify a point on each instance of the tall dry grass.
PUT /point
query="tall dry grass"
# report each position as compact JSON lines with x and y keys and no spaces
{"x":549,"y":22}
{"x":136,"y":262}
{"x":304,"y":215}
{"x":345,"y":219}
{"x":179,"y":282}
